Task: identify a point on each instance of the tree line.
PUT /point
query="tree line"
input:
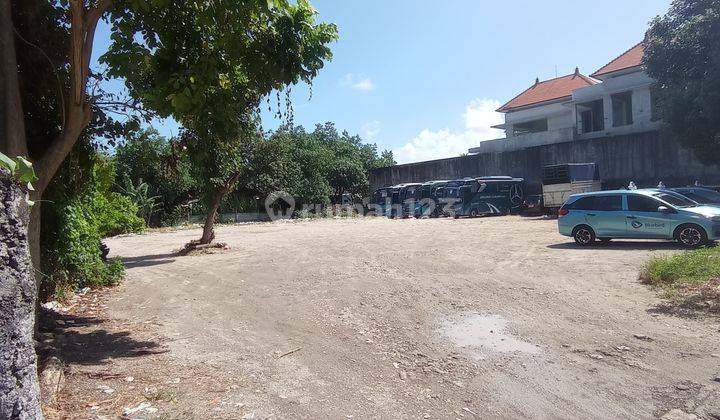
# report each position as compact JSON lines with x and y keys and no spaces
{"x":315,"y":167}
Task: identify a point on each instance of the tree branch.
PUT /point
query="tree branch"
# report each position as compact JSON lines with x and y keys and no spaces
{"x":77,"y":11}
{"x":79,"y":112}
{"x":119,"y":104}
{"x":91,"y":20}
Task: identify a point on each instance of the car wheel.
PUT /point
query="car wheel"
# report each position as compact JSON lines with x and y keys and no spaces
{"x":691,"y":235}
{"x":473,"y":213}
{"x":584,"y":235}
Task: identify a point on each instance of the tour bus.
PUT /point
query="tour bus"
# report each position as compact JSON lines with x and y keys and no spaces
{"x":381,"y":201}
{"x":403,"y":198}
{"x":408,"y":196}
{"x":427,"y":203}
{"x":391,"y":201}
{"x":471,"y":197}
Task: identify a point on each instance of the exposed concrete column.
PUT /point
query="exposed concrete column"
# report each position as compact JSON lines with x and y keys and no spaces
{"x":607,"y":110}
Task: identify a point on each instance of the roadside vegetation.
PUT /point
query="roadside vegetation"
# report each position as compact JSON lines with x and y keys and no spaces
{"x":681,"y":54}
{"x":148,"y":182}
{"x":691,"y":278}
{"x":102,"y":170}
{"x":82,"y":208}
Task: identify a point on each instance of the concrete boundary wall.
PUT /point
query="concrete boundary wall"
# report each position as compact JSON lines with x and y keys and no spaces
{"x":645,"y":158}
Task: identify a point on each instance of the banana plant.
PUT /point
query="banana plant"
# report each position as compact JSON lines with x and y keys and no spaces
{"x":139,"y":194}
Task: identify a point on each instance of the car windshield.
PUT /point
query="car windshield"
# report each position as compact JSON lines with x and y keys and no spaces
{"x":675,"y":199}
{"x":704,"y":196}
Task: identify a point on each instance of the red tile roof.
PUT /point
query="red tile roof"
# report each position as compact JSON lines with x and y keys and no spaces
{"x":629,"y":59}
{"x":549,"y":90}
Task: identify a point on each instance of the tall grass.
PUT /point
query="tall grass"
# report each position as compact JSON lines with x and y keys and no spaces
{"x":690,"y":279}
{"x":696,"y":266}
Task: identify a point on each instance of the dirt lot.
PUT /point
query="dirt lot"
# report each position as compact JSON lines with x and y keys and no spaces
{"x":441,"y":318}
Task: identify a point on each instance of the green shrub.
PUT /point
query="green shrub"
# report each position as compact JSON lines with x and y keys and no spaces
{"x":117,"y":215}
{"x":175,"y":217}
{"x":304,"y":214}
{"x":84,"y":222}
{"x":80,"y":210}
{"x":328,"y":212}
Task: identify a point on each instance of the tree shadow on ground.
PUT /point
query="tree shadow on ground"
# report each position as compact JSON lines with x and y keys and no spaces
{"x":620,"y":246}
{"x":81,"y":340}
{"x":149,"y":260}
{"x":692,"y":307}
{"x":537,"y":218}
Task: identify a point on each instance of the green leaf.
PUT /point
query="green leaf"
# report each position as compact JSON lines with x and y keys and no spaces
{"x":25,"y":171}
{"x":7,"y":163}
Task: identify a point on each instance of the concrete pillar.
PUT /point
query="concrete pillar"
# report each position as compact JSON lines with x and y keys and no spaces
{"x":607,"y":110}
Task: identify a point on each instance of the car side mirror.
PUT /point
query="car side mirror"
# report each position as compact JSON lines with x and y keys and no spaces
{"x":665,"y":210}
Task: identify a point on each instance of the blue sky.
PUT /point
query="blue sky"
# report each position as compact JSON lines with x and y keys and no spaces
{"x":422,"y":77}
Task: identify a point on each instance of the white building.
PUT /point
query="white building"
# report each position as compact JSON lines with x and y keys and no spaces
{"x":614,"y":100}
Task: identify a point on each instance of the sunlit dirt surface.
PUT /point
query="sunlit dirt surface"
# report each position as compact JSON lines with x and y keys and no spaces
{"x":380,"y":318}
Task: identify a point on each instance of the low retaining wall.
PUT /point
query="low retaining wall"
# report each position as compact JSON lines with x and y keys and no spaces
{"x":644,"y":158}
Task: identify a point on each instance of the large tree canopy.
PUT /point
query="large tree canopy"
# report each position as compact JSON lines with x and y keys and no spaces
{"x":682,"y":53}
{"x":215,"y":60}
{"x":208,"y":65}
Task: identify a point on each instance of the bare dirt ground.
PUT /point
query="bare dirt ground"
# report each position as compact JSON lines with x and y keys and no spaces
{"x":376,"y":318}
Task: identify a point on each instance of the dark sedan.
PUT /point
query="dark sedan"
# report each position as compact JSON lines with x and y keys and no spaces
{"x":533,"y":206}
{"x":702,"y":195}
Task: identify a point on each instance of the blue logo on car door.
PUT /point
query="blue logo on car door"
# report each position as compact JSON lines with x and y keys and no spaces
{"x":636,"y":224}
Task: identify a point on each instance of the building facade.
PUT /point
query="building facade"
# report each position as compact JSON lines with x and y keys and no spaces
{"x":614,"y":100}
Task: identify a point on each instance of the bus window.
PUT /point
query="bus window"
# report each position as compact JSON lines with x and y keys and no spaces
{"x":490,"y":188}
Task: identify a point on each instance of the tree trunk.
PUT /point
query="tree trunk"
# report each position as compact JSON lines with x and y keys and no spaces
{"x":19,"y":389}
{"x":12,"y":123}
{"x":208,"y":229}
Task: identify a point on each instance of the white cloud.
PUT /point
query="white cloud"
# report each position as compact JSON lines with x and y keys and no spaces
{"x":369,"y":131}
{"x":358,"y":82}
{"x":479,"y":116}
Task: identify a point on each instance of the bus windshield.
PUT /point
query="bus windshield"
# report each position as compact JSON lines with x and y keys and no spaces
{"x":453,"y":192}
